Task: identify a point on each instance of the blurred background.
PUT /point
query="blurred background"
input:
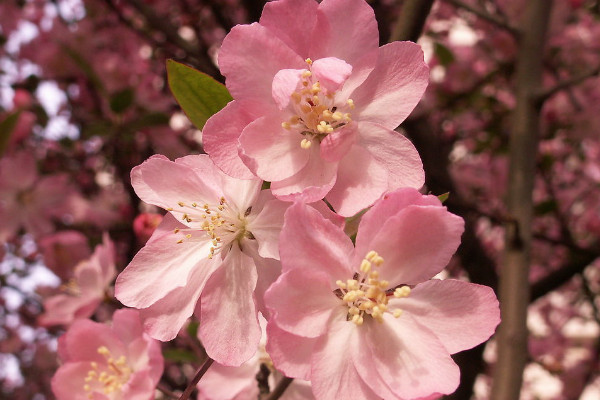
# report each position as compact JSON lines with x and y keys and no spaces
{"x":514,"y":97}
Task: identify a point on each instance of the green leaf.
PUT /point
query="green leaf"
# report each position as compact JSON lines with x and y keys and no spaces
{"x":199,"y":95}
{"x":443,"y":54}
{"x":179,"y":355}
{"x":7,"y":125}
{"x":443,"y":197}
{"x":120,"y":101}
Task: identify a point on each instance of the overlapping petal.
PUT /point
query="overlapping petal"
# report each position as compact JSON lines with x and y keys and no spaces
{"x":228,"y":297}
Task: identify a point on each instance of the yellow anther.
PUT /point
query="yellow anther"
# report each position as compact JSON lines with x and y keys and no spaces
{"x":358,"y":320}
{"x":87,"y":387}
{"x":370,"y":255}
{"x":194,"y":204}
{"x":180,"y":241}
{"x":316,"y":100}
{"x":285,"y":125}
{"x":170,"y":209}
{"x":397,"y":313}
{"x":181,"y":204}
{"x":337,"y":115}
{"x":103,"y":350}
{"x":327,"y":114}
{"x":305,"y":108}
{"x":403,"y":291}
{"x":384,"y":284}
{"x":305,"y":144}
{"x":308,"y":61}
{"x":94,"y":364}
{"x":350,"y":103}
{"x":306,"y":73}
{"x":378,"y":260}
{"x":374,"y":274}
{"x":340,"y":284}
{"x":365,"y":266}
{"x":296,"y":97}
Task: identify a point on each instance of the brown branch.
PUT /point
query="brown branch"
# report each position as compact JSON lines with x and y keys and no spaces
{"x":411,"y":21}
{"x":573,"y":81}
{"x":500,"y":22}
{"x":282,"y":385}
{"x":557,"y":278}
{"x":192,"y":385}
{"x":514,"y":279}
{"x":170,"y":31}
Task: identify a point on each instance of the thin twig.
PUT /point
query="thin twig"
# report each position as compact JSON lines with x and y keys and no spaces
{"x":576,"y":80}
{"x":192,"y":385}
{"x":502,"y":23}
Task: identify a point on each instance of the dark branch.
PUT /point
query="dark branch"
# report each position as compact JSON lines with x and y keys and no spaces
{"x":412,"y":19}
{"x":500,"y":22}
{"x":192,"y":385}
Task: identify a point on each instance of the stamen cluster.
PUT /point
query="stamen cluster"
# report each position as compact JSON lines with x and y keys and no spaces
{"x":112,"y":376}
{"x":220,"y":222}
{"x":366,"y":294}
{"x":316,"y":114}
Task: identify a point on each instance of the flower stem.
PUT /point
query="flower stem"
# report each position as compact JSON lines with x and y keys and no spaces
{"x":192,"y":385}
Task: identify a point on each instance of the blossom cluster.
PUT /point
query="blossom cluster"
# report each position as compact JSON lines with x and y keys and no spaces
{"x":255,"y":229}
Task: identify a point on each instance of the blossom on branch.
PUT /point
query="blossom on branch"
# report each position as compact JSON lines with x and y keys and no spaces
{"x":315,"y":104}
{"x":366,"y":322}
{"x":117,"y":362}
{"x":213,"y":255}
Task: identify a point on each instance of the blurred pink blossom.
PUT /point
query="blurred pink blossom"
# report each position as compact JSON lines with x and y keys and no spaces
{"x":63,"y":250}
{"x":83,"y":293}
{"x":102,"y":362}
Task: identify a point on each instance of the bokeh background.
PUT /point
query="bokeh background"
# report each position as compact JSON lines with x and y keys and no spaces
{"x":514,"y":97}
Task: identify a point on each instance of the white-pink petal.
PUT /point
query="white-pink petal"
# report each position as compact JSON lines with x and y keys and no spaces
{"x":460,"y":314}
{"x":229,"y":328}
{"x":310,"y":242}
{"x":416,"y":244}
{"x":394,"y":87}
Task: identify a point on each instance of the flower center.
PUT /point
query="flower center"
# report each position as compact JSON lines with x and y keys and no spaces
{"x":108,"y":377}
{"x":222,"y":223}
{"x":71,"y":287}
{"x":316,"y":111}
{"x":366,"y":294}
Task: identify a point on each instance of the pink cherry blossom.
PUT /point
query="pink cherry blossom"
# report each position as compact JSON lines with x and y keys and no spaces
{"x":316,"y":102}
{"x":213,"y":255}
{"x":63,"y":250}
{"x":103,"y":362}
{"x":365,"y":322}
{"x":81,"y":295}
{"x":28,"y":200}
{"x":240,"y":383}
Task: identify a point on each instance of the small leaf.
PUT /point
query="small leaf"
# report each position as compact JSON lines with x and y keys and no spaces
{"x":443,"y":197}
{"x":120,"y":101}
{"x":443,"y":54}
{"x":199,"y":95}
{"x":179,"y":355}
{"x":7,"y":125}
